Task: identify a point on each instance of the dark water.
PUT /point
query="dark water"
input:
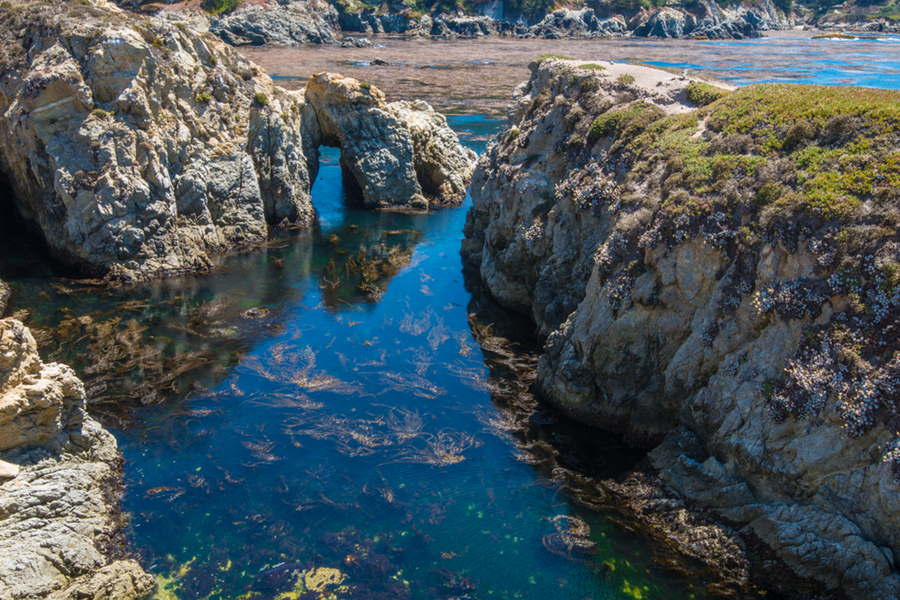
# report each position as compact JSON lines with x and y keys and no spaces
{"x":346,"y":413}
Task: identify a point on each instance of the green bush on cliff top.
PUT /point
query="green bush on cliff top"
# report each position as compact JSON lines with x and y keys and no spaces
{"x":220,"y":7}
{"x":702,"y":94}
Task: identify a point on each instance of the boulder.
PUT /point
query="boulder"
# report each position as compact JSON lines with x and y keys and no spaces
{"x":287,"y":23}
{"x":392,"y":151}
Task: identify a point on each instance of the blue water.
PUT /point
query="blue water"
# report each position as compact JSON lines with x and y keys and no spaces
{"x":873,"y":61}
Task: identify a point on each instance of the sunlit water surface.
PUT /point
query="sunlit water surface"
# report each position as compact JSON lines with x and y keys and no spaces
{"x":345,"y":411}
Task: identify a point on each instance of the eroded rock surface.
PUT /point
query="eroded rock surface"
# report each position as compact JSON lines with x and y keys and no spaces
{"x":398,"y":153}
{"x":59,"y":518}
{"x":679,"y":286}
{"x":140,"y":148}
{"x":286,"y":23}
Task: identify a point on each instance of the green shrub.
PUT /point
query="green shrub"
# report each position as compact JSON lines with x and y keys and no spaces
{"x":99,"y":113}
{"x":625,"y":79}
{"x":594,"y":66}
{"x":625,"y":123}
{"x":203,"y":98}
{"x":221,"y":7}
{"x":365,"y":85}
{"x":261,"y":99}
{"x":702,"y":94}
{"x":544,"y":57}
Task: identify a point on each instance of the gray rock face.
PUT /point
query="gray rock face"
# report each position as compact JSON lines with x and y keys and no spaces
{"x":647,"y":350}
{"x":287,"y":23}
{"x":5,"y":294}
{"x":138,"y":147}
{"x":398,"y":153}
{"x":57,"y":513}
{"x":563,"y":23}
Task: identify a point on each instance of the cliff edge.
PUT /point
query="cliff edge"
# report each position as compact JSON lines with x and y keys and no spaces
{"x":716,"y":269}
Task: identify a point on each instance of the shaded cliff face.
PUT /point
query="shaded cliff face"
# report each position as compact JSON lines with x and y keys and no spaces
{"x":59,"y":515}
{"x":140,"y":148}
{"x":730,"y":268}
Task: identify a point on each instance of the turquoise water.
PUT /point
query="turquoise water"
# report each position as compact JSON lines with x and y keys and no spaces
{"x":795,"y":57}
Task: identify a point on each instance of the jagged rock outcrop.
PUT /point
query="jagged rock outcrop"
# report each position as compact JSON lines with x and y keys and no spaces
{"x":139,"y":148}
{"x":563,"y":23}
{"x":399,"y":152}
{"x":290,"y":22}
{"x":59,"y":515}
{"x":286,"y":23}
{"x":691,"y":272}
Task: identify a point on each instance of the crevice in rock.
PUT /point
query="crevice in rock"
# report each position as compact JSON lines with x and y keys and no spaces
{"x":23,"y":249}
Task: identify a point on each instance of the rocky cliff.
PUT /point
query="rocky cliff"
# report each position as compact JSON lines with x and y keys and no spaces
{"x":716,"y":271}
{"x":292,"y":22}
{"x":139,"y":147}
{"x":59,"y":478}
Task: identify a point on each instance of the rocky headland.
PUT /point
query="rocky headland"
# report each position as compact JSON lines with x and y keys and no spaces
{"x":715,"y":275}
{"x":140,"y":148}
{"x":60,"y":476}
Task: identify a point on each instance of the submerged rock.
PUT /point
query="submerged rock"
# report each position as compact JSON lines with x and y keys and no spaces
{"x":396,"y":152}
{"x":59,"y":515}
{"x":687,"y":270}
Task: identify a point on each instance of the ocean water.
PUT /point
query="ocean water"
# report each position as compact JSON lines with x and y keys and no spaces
{"x":346,"y":413}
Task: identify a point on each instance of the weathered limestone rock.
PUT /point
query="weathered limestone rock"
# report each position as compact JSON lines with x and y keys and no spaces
{"x":648,"y":331}
{"x":396,"y":152}
{"x":59,"y":511}
{"x":139,"y":147}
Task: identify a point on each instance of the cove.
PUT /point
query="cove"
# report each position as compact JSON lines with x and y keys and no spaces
{"x":346,"y":410}
{"x":278,"y":422}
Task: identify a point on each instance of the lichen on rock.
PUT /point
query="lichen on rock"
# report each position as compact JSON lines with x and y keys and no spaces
{"x":730,"y":268}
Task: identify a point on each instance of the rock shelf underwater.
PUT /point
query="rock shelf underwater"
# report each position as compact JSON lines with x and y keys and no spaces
{"x":343,"y":411}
